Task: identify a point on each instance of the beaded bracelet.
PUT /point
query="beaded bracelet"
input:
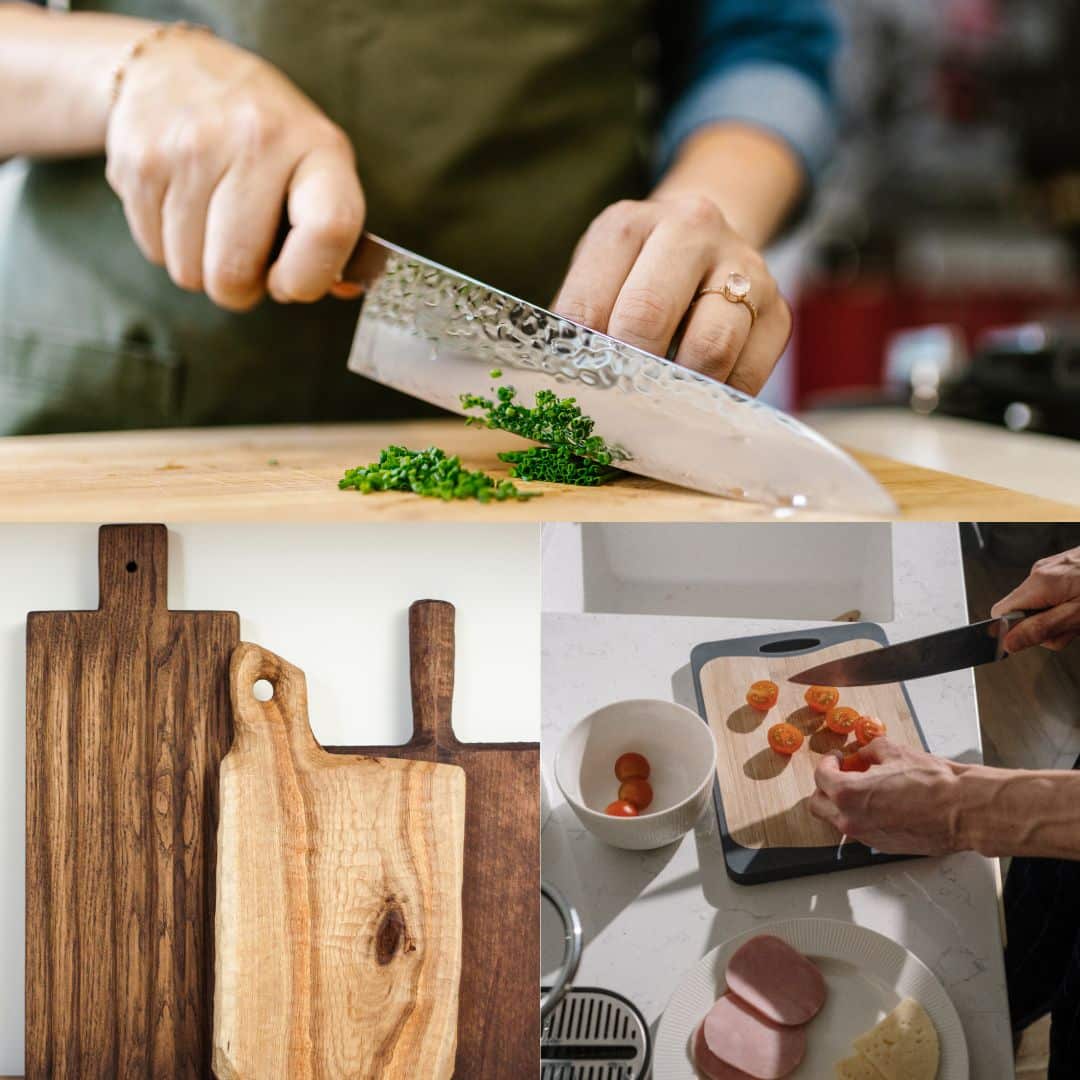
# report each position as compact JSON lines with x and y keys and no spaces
{"x":140,"y":45}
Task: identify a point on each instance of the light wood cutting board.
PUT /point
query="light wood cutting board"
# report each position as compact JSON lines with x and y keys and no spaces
{"x":338,"y":927}
{"x":127,"y":719}
{"x":290,"y":472}
{"x":767,"y":830}
{"x":499,"y":1021}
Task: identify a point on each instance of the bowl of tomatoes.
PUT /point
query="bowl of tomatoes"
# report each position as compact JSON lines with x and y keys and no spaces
{"x":637,"y":773}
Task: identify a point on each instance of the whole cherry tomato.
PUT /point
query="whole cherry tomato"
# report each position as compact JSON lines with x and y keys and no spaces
{"x":621,"y":808}
{"x":631,"y":765}
{"x":636,"y":791}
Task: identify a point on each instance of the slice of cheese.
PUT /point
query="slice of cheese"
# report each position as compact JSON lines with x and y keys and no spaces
{"x":856,"y":1067}
{"x":903,"y":1046}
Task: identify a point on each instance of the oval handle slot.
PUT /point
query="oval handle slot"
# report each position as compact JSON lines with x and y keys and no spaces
{"x":789,"y":645}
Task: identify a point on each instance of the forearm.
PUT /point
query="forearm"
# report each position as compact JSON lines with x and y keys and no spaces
{"x":755,"y":178}
{"x":1021,"y":812}
{"x":59,"y":68}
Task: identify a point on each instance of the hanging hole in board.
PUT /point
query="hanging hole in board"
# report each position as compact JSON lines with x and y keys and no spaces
{"x":263,"y":690}
{"x":792,"y":645}
{"x":132,"y":566}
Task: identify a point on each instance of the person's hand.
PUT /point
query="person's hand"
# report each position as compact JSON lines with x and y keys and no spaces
{"x":1054,"y":584}
{"x":637,"y":274}
{"x":207,"y":145}
{"x":908,"y":802}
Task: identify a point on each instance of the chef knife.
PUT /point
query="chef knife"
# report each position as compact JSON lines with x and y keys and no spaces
{"x":435,"y":334}
{"x":951,"y":650}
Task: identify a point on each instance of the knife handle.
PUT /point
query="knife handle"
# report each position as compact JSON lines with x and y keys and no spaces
{"x":362,"y":268}
{"x":1011,"y":618}
{"x":1005,"y":623}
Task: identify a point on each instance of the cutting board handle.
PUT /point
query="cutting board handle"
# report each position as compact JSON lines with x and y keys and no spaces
{"x":431,"y":668}
{"x":133,"y":567}
{"x":287,"y":708}
{"x":807,"y":643}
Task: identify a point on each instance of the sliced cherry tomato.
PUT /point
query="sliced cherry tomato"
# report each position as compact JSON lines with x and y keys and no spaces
{"x":631,"y":765}
{"x":842,"y":719}
{"x":621,"y":808}
{"x":868,"y":728}
{"x":854,"y":763}
{"x":822,"y":698}
{"x":785,"y":738}
{"x":636,"y":791}
{"x":762,"y":695}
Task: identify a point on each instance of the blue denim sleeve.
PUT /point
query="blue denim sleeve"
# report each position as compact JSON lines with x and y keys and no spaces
{"x":762,"y":62}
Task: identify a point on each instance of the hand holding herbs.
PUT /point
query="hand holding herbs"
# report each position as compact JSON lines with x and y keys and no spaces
{"x":572,"y":454}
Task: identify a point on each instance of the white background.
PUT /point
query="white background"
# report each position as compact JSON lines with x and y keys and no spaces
{"x":333,"y":600}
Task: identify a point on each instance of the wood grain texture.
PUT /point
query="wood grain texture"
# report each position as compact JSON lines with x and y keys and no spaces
{"x":338,"y":925}
{"x":499,"y":1022}
{"x":127,"y":720}
{"x":291,"y":473}
{"x":763,"y":792}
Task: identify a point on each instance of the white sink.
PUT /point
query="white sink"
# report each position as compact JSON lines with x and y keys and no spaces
{"x":766,"y":571}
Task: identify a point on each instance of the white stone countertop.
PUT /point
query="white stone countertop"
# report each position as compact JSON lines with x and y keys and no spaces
{"x":1044,"y":465}
{"x":649,"y":916}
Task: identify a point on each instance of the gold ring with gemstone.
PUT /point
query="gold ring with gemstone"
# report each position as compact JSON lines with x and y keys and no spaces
{"x":736,"y":290}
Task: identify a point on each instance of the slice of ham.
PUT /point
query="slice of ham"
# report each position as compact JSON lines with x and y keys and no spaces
{"x":778,"y":981}
{"x":746,"y":1040}
{"x":709,"y":1065}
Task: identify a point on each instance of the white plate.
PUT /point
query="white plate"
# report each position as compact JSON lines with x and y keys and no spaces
{"x":866,"y":974}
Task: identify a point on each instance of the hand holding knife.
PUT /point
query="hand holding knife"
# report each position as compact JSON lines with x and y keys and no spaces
{"x":434,"y":333}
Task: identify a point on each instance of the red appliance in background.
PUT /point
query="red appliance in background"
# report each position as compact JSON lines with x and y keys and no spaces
{"x":954,"y":203}
{"x":841,"y":329}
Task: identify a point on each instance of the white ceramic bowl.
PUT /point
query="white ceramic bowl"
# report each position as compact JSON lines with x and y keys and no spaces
{"x":681,"y":751}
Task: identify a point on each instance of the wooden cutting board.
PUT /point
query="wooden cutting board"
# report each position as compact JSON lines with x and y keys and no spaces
{"x":499,"y":1019}
{"x":761,"y":795}
{"x":338,"y":925}
{"x":290,"y":472}
{"x":127,"y":719}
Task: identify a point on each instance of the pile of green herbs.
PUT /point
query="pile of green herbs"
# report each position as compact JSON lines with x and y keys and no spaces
{"x":570,"y":453}
{"x":431,"y":472}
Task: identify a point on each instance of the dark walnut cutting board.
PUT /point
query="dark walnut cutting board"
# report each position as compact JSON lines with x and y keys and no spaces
{"x":338,"y":928}
{"x":127,"y":715}
{"x":766,"y":829}
{"x":498,"y":1020}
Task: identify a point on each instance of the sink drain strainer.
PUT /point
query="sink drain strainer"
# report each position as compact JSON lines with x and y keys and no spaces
{"x":594,"y":1035}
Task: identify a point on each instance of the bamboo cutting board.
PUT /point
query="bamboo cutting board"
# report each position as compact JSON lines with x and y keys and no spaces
{"x":761,"y":795}
{"x":499,"y":1021}
{"x":127,"y":718}
{"x":338,"y":903}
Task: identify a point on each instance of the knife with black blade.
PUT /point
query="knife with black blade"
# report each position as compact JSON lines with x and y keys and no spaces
{"x":436,"y":334}
{"x":951,"y":650}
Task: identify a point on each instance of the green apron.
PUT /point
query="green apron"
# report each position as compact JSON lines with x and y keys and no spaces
{"x":488,"y":134}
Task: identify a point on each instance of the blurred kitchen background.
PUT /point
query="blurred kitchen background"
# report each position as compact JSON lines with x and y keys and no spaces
{"x":936,"y":279}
